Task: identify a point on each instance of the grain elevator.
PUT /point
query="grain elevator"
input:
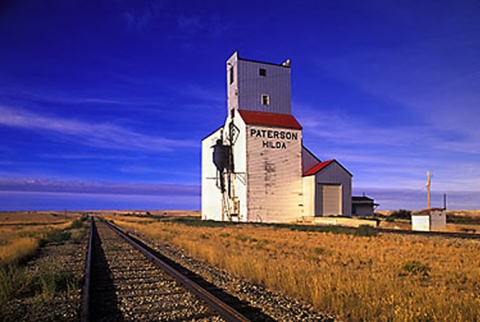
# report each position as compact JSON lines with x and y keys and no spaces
{"x":254,"y":167}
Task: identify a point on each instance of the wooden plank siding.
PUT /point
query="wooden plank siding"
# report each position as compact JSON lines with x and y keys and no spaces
{"x":274,"y":171}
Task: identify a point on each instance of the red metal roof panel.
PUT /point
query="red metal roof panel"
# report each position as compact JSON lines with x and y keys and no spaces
{"x":270,"y":119}
{"x":322,"y":165}
{"x":317,"y":168}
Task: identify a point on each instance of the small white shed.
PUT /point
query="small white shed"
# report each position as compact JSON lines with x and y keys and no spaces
{"x":433,"y":219}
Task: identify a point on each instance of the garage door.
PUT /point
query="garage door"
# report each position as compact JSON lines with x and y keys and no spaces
{"x":331,"y":199}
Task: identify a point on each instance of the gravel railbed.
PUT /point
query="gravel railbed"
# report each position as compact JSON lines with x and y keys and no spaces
{"x":67,"y":259}
{"x":126,"y":286}
{"x":276,"y":305}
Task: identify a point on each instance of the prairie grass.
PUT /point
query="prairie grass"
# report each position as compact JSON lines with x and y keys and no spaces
{"x":18,"y":243}
{"x":18,"y":250}
{"x":18,"y":281}
{"x":358,"y":278}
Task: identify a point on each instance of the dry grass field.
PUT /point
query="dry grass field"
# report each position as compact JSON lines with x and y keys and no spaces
{"x":36,"y":287}
{"x":379,"y":277}
{"x":21,"y":233}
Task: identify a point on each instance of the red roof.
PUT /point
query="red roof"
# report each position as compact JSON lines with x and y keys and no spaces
{"x":427,"y":211}
{"x":271,"y":119}
{"x":317,"y":168}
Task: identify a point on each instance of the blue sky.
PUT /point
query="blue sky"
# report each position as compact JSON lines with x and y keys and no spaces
{"x":103,"y":103}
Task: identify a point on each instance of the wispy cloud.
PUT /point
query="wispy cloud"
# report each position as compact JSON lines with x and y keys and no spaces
{"x":343,"y":128}
{"x":47,"y":185}
{"x":194,"y":27}
{"x":139,"y":15}
{"x":386,"y":157}
{"x":70,"y":99}
{"x":31,"y":200}
{"x":202,"y":24}
{"x":101,"y":135}
{"x":83,"y":156}
{"x":178,"y":173}
{"x":439,"y":94}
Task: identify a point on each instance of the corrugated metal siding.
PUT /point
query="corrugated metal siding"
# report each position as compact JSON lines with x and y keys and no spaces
{"x":438,"y":220}
{"x":274,"y":177}
{"x":308,"y":160}
{"x":363,"y":210}
{"x":335,"y":174}
{"x":211,"y":195}
{"x":251,"y":86}
{"x":232,"y":87}
{"x":248,"y":86}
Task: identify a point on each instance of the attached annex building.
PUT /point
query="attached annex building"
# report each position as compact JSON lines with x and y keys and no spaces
{"x":254,"y":167}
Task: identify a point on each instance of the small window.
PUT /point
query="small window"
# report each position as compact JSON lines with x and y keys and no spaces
{"x":263,"y":72}
{"x":231,"y":74}
{"x":265,"y":99}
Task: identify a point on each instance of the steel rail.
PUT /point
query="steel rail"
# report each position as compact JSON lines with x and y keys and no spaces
{"x":223,"y":309}
{"x":85,"y":314}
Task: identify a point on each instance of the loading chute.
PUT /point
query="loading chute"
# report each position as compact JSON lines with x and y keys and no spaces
{"x":225,"y":174}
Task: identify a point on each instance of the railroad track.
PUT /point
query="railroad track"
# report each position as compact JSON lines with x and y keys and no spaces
{"x":125,"y":280}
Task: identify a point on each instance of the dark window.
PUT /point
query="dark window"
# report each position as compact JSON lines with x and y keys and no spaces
{"x":265,"y":99}
{"x":263,"y":72}
{"x":231,"y":74}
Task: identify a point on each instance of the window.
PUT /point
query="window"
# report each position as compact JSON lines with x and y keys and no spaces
{"x":265,"y":99}
{"x":262,"y":72}
{"x":231,"y":74}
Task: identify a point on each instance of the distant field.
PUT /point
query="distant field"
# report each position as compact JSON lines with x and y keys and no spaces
{"x":363,"y":277}
{"x":34,"y":218}
{"x":464,"y":213}
{"x":21,"y":232}
{"x":457,"y":221}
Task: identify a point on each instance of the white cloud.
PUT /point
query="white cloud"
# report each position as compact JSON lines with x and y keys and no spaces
{"x":101,"y":135}
{"x":48,"y":185}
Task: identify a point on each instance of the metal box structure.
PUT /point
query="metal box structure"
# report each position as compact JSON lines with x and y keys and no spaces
{"x":254,"y":167}
{"x":363,"y":206}
{"x":433,"y":219}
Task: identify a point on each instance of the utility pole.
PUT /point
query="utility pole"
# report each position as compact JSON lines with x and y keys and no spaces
{"x":429,"y":179}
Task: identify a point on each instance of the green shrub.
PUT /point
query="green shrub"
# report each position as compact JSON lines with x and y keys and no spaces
{"x":241,"y":237}
{"x":53,"y":279}
{"x":57,"y":236}
{"x":390,"y":219}
{"x":366,"y":231}
{"x":77,"y":223}
{"x":415,"y":267}
{"x":14,"y":281}
{"x":402,"y":214}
